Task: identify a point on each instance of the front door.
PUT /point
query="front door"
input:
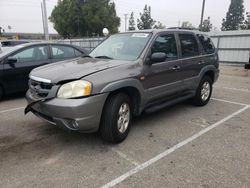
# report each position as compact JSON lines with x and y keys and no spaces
{"x":16,"y":75}
{"x":163,"y":78}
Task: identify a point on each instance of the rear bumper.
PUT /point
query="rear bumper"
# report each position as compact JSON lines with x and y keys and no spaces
{"x":74,"y":114}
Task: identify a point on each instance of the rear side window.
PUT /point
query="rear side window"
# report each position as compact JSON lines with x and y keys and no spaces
{"x":189,"y":45}
{"x":167,"y":45}
{"x":62,"y":52}
{"x":207,"y":44}
{"x":78,"y":53}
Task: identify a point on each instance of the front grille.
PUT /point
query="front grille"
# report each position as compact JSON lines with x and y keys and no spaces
{"x":39,"y":89}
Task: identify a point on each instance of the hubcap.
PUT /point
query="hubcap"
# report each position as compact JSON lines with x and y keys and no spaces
{"x":205,"y":91}
{"x":123,"y":118}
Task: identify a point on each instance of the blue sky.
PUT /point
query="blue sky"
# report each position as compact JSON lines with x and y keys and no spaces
{"x":25,"y":15}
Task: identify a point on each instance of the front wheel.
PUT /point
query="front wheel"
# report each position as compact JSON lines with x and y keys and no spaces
{"x":116,"y":118}
{"x":203,"y":92}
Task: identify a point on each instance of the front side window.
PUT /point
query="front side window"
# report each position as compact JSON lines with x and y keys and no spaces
{"x":189,"y":45}
{"x":36,"y":53}
{"x":62,"y":52}
{"x":207,"y":44}
{"x":125,"y":46}
{"x":165,"y":44}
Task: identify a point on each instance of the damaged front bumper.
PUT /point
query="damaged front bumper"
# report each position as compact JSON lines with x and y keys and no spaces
{"x":82,"y":114}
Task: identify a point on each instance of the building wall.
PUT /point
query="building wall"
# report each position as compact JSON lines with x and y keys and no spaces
{"x":233,"y":46}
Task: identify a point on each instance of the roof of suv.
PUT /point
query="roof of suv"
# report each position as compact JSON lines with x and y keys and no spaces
{"x":155,"y":31}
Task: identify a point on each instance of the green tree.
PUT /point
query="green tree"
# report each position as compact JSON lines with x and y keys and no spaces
{"x":145,"y":21}
{"x":131,"y":22}
{"x":246,"y":23}
{"x":206,"y":25}
{"x":159,"y":25}
{"x":235,"y":16}
{"x":78,"y":18}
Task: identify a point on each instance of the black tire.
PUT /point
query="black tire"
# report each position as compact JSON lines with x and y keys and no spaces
{"x":247,"y":66}
{"x":200,"y":100}
{"x":1,"y":93}
{"x":109,"y":124}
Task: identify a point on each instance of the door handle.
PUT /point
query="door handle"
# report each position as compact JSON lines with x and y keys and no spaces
{"x":201,"y":62}
{"x":176,"y":67}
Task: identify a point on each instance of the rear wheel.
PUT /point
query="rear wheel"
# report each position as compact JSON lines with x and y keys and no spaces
{"x":203,"y":92}
{"x":116,"y":118}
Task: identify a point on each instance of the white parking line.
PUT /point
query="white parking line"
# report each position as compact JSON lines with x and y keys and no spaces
{"x":231,"y":102}
{"x":232,"y":88}
{"x":12,"y":109}
{"x":171,"y":150}
{"x":124,"y":156}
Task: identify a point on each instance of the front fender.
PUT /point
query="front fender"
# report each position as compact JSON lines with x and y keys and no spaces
{"x":130,"y":82}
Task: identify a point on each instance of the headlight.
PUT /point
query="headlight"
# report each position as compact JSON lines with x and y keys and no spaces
{"x":79,"y":88}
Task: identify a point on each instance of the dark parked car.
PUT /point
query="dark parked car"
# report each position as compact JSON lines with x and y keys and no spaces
{"x":125,"y":75}
{"x":17,"y":62}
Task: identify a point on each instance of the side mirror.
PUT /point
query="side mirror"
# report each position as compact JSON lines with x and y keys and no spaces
{"x":158,"y":57}
{"x":11,"y":60}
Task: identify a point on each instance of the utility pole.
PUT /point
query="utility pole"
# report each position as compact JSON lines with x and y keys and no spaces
{"x":45,"y":20}
{"x":126,"y":19}
{"x":202,"y":11}
{"x":42,"y":18}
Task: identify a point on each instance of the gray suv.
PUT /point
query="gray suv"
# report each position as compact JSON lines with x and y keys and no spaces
{"x":127,"y":74}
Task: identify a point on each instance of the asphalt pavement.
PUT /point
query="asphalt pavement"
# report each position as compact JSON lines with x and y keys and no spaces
{"x":181,"y":146}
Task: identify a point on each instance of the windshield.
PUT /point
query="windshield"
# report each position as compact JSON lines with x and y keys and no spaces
{"x":7,"y":50}
{"x":127,"y":46}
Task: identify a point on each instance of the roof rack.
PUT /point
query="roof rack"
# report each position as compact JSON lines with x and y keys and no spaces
{"x":183,"y":28}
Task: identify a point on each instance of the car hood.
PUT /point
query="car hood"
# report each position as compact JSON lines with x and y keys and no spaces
{"x":74,"y":69}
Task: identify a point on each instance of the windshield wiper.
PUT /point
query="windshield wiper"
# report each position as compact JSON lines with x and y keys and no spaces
{"x":103,"y":57}
{"x":83,"y":56}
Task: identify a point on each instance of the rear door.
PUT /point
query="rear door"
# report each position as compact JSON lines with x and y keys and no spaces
{"x":163,"y":78}
{"x":192,"y":59}
{"x":16,"y":75}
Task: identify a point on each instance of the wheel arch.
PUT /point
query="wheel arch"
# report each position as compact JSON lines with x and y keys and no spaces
{"x":210,"y":74}
{"x":132,"y":88}
{"x":208,"y":71}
